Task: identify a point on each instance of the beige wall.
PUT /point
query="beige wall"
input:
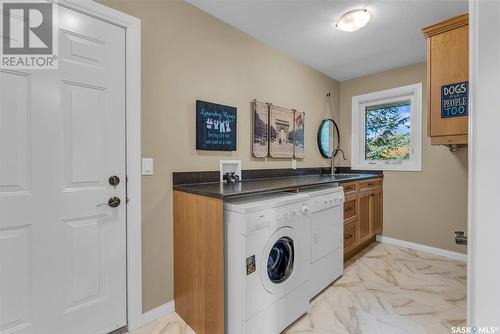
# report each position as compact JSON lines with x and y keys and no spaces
{"x":188,"y":55}
{"x":423,"y":207}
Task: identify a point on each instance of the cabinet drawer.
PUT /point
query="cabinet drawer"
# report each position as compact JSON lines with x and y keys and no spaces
{"x":350,"y":209}
{"x":350,"y":234}
{"x":350,"y":188}
{"x":368,"y":184}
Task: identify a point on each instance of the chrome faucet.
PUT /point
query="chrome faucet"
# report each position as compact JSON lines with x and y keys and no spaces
{"x":334,"y":152}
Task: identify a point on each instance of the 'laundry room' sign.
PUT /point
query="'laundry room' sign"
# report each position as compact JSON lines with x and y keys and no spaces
{"x":215,"y":127}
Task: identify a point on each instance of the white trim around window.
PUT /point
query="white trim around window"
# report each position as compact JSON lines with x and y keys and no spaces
{"x":412,"y":93}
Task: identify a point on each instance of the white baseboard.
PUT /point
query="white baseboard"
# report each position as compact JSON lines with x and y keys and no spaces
{"x":423,"y":248}
{"x":156,"y":313}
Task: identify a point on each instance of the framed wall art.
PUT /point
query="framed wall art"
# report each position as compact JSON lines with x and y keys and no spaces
{"x":298,"y":136}
{"x":281,"y":126}
{"x":260,"y":145}
{"x":215,"y":127}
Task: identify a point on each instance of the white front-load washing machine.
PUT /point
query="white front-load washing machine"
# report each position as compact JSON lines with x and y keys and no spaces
{"x":266,"y":247}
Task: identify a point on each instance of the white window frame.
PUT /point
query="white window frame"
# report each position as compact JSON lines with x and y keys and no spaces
{"x":413,"y":93}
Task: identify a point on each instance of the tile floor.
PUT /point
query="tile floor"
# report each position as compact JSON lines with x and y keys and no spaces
{"x":385,"y":289}
{"x":170,"y":324}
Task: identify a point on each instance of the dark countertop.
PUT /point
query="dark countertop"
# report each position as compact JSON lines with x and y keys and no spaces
{"x":226,"y":190}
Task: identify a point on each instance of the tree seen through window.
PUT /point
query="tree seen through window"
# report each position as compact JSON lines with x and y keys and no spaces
{"x":387,"y":131}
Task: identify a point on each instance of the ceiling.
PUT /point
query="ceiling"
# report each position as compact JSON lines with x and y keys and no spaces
{"x":304,"y":30}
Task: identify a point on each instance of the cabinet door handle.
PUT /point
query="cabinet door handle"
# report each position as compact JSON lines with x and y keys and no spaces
{"x":349,"y":236}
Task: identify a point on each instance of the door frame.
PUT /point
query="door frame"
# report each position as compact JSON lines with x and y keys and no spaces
{"x":483,"y":301}
{"x":132,"y":26}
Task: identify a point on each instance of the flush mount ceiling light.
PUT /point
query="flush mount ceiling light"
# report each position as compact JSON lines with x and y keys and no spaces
{"x":354,"y":20}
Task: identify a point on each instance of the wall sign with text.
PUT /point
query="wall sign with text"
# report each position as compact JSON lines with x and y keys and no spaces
{"x":215,"y":127}
{"x":455,"y":100}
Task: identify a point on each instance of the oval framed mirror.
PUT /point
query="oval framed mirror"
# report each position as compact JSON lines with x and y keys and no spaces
{"x":328,"y":138}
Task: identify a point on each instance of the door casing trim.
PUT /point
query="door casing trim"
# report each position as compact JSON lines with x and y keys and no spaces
{"x":132,"y":26}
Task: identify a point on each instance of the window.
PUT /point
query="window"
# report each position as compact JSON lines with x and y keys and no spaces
{"x":387,"y":129}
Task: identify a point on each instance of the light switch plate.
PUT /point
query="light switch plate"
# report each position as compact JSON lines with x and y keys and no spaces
{"x":294,"y":164}
{"x":147,"y":166}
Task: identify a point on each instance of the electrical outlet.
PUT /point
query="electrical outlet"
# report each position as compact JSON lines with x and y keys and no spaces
{"x":294,"y":164}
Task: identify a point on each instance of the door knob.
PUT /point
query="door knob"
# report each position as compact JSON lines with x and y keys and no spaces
{"x":114,"y":180}
{"x":112,"y":202}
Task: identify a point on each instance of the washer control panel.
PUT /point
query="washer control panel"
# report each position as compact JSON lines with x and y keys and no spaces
{"x":289,"y":212}
{"x":265,"y":219}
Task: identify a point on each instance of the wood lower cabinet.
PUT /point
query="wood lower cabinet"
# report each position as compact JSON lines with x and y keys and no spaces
{"x":350,"y":209}
{"x":350,"y":234}
{"x":363,"y":214}
{"x":199,"y":261}
{"x":376,"y":211}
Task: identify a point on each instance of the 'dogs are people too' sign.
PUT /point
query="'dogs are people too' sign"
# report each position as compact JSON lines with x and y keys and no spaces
{"x":455,"y":100}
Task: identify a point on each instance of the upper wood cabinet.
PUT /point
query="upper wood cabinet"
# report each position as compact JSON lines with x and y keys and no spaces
{"x":447,"y":64}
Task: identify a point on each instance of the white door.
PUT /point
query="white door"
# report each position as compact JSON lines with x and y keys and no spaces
{"x":62,"y":135}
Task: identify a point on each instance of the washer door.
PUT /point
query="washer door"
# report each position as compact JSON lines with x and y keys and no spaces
{"x":278,"y":260}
